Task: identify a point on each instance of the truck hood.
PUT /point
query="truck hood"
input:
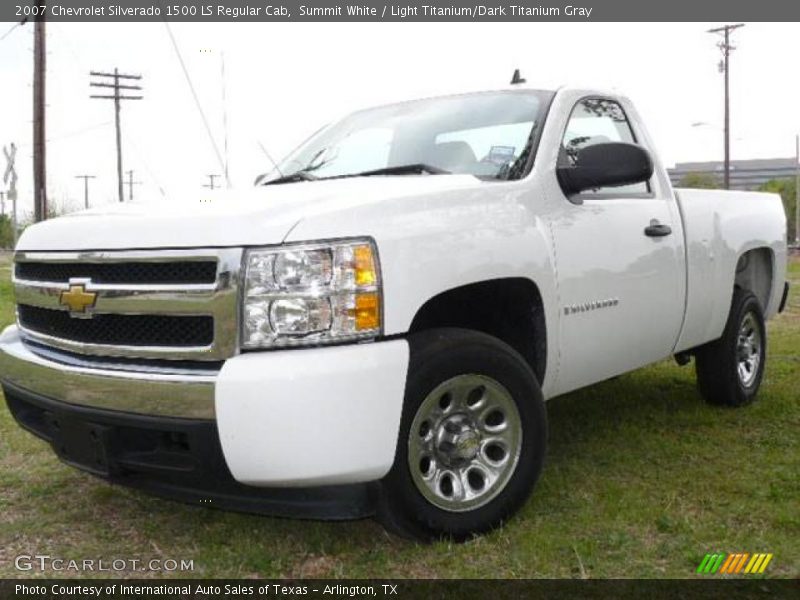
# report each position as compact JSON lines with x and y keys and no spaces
{"x":258,"y":216}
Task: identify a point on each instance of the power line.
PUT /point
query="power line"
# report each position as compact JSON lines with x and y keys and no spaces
{"x":70,"y":134}
{"x":76,"y":132}
{"x":194,"y":95}
{"x":13,"y":27}
{"x":267,"y":154}
{"x":142,"y":159}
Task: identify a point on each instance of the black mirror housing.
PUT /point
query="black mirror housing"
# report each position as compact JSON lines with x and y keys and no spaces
{"x":606,"y":165}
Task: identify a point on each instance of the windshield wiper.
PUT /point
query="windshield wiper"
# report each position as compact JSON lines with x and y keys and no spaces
{"x":301,"y":175}
{"x":417,"y":168}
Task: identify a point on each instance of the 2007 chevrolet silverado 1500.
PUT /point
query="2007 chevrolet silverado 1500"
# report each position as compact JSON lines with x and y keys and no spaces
{"x":374,"y":327}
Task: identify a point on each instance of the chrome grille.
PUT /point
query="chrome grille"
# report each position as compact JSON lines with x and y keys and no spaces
{"x":149,"y":304}
{"x":130,"y":330}
{"x":122,"y":272}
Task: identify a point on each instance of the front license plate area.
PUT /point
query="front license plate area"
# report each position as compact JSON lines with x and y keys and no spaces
{"x":81,"y":444}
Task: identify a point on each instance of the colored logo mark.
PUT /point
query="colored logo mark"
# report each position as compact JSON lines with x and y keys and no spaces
{"x":732,"y":564}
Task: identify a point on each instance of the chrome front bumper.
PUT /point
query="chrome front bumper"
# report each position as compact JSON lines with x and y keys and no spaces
{"x":149,"y":392}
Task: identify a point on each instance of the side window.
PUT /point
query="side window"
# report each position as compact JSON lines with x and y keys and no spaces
{"x":598,"y":121}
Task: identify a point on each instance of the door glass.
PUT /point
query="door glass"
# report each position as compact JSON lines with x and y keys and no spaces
{"x":598,"y":121}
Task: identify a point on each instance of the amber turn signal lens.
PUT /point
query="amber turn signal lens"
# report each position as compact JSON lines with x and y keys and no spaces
{"x":364,"y":265}
{"x":368,"y":311}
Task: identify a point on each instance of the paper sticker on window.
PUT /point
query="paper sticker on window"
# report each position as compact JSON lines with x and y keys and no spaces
{"x":500,"y":155}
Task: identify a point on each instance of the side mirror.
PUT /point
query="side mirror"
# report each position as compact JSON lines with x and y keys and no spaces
{"x":605,"y":165}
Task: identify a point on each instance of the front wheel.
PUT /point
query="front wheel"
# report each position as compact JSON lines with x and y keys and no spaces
{"x":729,"y":370}
{"x":472,"y":437}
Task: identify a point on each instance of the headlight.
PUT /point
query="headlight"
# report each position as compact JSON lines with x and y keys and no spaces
{"x":311,"y":294}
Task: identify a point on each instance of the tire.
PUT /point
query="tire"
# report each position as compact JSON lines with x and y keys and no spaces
{"x":730,"y":369}
{"x":473,"y":413}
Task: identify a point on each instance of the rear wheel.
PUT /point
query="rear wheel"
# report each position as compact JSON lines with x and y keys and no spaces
{"x":472,"y":437}
{"x":729,"y":370}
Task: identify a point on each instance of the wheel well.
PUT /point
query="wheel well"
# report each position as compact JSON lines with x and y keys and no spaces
{"x":508,"y":309}
{"x":754,"y":273}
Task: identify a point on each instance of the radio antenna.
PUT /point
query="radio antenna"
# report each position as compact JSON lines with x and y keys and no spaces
{"x":517,"y":78}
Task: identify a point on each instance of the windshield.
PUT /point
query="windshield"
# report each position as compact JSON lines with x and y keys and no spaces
{"x":489,"y":135}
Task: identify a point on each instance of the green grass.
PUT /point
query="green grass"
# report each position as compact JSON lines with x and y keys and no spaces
{"x":642,"y":479}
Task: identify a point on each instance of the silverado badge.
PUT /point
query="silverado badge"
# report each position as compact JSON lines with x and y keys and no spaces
{"x":78,"y":300}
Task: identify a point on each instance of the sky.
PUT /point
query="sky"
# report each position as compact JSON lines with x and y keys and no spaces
{"x":282,"y":81}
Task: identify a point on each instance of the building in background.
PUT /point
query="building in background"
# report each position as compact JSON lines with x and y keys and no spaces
{"x":745,"y":174}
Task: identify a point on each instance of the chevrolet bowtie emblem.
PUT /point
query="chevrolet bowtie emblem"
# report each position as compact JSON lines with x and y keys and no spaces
{"x":77,"y":299}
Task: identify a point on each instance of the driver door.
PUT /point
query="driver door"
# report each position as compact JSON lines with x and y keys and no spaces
{"x":622,"y":291}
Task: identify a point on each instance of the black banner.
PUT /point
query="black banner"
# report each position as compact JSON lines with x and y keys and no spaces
{"x":254,"y":589}
{"x":409,"y":10}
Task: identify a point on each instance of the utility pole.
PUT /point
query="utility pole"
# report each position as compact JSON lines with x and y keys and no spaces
{"x":210,"y":185}
{"x":130,"y":183}
{"x":86,"y":179}
{"x":726,"y":48}
{"x":39,"y":93}
{"x":2,"y":204}
{"x":116,"y":86}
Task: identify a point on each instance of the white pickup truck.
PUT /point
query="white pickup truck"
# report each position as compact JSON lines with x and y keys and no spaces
{"x":373,"y":329}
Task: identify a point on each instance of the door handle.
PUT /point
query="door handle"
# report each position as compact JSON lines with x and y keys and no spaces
{"x":656,"y":229}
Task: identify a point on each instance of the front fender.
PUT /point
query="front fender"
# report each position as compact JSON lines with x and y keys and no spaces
{"x":436,"y":242}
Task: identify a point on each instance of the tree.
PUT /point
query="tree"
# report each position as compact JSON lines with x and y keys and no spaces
{"x":786,"y":188}
{"x":6,"y":232}
{"x":700,"y":181}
